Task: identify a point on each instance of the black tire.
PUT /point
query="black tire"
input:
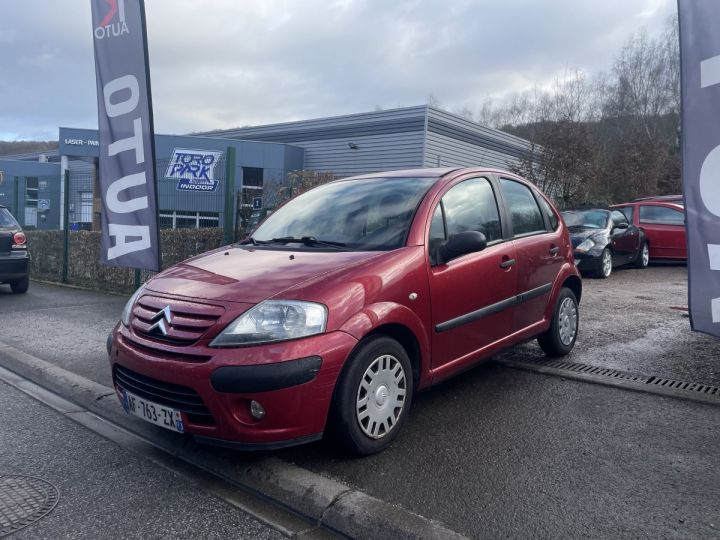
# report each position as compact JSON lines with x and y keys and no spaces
{"x":377,"y":351}
{"x":554,"y":342}
{"x":604,"y":271}
{"x":643,"y":257}
{"x":20,"y":286}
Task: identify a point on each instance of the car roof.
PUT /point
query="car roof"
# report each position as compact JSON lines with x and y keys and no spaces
{"x":660,"y":198}
{"x":656,"y":202}
{"x":431,"y":172}
{"x":585,"y":210}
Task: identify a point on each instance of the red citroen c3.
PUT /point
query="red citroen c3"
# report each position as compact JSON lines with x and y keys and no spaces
{"x":342,"y":304}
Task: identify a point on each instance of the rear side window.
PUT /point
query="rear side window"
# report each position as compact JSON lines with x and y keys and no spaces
{"x":547,"y":210}
{"x":6,"y":219}
{"x":661,"y":215}
{"x":524,"y":211}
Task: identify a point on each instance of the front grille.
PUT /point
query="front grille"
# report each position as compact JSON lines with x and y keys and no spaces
{"x":188,"y":320}
{"x":163,"y":354}
{"x":177,"y":397}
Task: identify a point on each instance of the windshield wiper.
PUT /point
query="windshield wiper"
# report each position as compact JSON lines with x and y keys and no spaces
{"x":306,"y":240}
{"x":251,"y":240}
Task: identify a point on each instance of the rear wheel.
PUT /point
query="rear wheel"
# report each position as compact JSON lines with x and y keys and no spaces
{"x":643,"y":257}
{"x":605,"y":264}
{"x":560,"y":338}
{"x":20,"y":286}
{"x":374,"y":395}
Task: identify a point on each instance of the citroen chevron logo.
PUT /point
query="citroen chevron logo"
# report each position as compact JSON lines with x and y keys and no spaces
{"x":161,"y":318}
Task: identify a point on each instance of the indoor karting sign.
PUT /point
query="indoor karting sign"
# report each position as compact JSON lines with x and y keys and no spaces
{"x":700,"y":61}
{"x":194,"y":169}
{"x":130,"y":235}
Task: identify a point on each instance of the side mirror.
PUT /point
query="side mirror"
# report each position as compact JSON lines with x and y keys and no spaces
{"x":461,"y":244}
{"x":623,"y":225}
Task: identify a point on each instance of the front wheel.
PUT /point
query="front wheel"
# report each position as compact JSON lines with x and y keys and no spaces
{"x":605,"y":264}
{"x":643,"y":258}
{"x":560,"y":338}
{"x":374,"y":395}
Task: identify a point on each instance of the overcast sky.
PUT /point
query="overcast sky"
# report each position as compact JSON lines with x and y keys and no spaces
{"x":227,"y":63}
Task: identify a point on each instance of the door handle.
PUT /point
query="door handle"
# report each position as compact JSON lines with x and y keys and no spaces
{"x":507,"y":263}
{"x":554,"y":250}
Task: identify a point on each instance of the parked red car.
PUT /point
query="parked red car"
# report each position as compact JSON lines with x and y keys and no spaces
{"x":662,"y":220}
{"x":344,"y":303}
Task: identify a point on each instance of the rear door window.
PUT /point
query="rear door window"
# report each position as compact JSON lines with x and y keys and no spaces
{"x":661,"y":215}
{"x":524,"y":211}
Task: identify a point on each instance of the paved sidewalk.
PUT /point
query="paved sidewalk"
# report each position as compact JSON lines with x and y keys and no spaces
{"x":105,"y":491}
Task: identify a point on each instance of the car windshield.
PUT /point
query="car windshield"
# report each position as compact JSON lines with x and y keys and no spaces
{"x":365,"y":215}
{"x":586,"y":219}
{"x":6,"y":219}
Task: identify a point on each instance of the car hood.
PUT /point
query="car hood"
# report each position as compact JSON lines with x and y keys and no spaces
{"x":249,"y":275}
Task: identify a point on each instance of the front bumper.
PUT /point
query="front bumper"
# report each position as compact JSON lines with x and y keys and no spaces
{"x":293,"y":381}
{"x":588,"y":262}
{"x":14,"y":266}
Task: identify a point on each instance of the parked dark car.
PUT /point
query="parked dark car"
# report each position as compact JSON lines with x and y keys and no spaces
{"x":342,"y":304}
{"x":603,"y":239}
{"x":662,"y":221}
{"x":14,"y":268}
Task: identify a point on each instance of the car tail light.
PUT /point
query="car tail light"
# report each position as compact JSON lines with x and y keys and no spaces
{"x":19,"y":240}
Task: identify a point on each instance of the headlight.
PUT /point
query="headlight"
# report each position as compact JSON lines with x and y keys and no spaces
{"x":585,"y":246}
{"x":274,"y":320}
{"x":125,"y":317}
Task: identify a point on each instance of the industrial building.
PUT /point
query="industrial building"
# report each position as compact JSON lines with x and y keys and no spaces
{"x":191,"y":168}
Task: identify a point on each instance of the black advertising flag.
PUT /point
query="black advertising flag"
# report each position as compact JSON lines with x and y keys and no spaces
{"x":130,"y":234}
{"x":700,"y":68}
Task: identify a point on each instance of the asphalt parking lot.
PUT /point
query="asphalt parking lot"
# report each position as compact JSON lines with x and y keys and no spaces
{"x":499,"y":451}
{"x":637,"y":321}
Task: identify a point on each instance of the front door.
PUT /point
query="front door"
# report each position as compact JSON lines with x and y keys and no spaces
{"x":625,"y":242}
{"x":472,"y":295}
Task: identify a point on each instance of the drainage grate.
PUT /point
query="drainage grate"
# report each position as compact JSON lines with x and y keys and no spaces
{"x":680,"y":385}
{"x":657,"y":385}
{"x":24,"y":500}
{"x":591,"y":370}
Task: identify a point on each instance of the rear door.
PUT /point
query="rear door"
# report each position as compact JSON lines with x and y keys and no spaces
{"x":664,"y":227}
{"x":538,"y":245}
{"x":471,"y":295}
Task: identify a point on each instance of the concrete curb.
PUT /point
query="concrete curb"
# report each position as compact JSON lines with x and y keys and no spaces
{"x":324,"y":501}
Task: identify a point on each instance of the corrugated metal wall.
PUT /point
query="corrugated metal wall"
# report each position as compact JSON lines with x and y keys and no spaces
{"x":455,"y":141}
{"x":407,"y":138}
{"x":351,"y":144}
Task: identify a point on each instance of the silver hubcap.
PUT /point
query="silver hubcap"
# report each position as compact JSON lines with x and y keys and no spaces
{"x":381,"y":396}
{"x":568,"y":321}
{"x":645,"y":255}
{"x":606,"y":263}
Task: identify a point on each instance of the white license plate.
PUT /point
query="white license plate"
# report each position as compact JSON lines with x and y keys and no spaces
{"x":152,"y":412}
